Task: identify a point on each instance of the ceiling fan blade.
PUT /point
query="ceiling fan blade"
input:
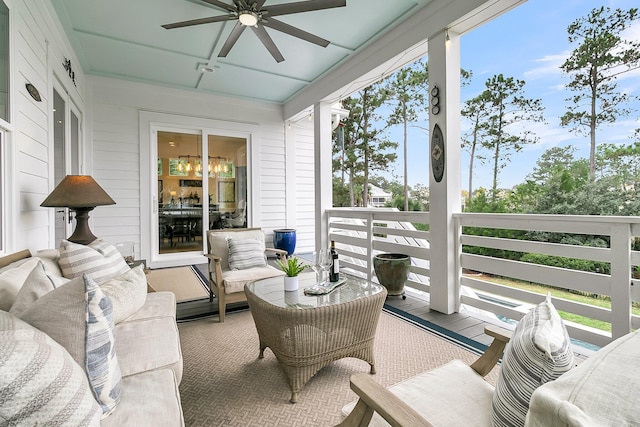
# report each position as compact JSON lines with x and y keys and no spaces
{"x":293,"y":31}
{"x":221,"y":5}
{"x":220,"y":18}
{"x":232,"y":39}
{"x":259,"y":4}
{"x":268,"y":43}
{"x":302,"y":6}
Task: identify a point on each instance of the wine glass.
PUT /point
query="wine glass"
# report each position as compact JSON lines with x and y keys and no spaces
{"x":321,"y":263}
{"x":326,"y":264}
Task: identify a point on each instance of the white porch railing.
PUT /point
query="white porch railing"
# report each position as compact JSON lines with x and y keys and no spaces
{"x":361,"y":233}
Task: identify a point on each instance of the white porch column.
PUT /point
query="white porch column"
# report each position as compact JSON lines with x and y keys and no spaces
{"x":322,"y":172}
{"x":444,"y":196}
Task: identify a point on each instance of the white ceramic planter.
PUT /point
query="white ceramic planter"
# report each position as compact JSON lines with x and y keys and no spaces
{"x":290,"y":283}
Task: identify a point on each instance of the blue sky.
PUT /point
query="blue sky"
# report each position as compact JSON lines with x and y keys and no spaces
{"x":527,"y":43}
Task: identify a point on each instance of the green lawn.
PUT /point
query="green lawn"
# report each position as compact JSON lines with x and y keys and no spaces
{"x":541,"y":289}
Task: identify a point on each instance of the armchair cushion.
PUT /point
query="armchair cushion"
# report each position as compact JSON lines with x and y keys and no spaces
{"x":234,"y":280}
{"x":603,"y":390}
{"x":539,"y":351}
{"x":246,"y":253}
{"x":450,"y":395}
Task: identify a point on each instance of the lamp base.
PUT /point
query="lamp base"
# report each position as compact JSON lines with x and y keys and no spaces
{"x":82,"y":234}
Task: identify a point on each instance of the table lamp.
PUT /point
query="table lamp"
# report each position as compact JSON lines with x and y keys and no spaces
{"x":79,"y":193}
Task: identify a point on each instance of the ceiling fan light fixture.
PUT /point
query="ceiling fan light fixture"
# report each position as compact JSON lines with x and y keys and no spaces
{"x":248,"y":18}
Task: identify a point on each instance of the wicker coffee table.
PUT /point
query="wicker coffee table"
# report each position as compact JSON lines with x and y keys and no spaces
{"x":307,"y":333}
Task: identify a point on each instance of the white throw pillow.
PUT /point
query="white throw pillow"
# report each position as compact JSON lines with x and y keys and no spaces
{"x":12,"y":279}
{"x":39,"y":381}
{"x":99,"y":260}
{"x":37,"y":284}
{"x":67,"y":314}
{"x":539,"y":351}
{"x":50,"y":258}
{"x":127,"y":292}
{"x":246,"y":253}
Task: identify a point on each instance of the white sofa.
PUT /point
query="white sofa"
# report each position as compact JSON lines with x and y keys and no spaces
{"x":147,"y":347}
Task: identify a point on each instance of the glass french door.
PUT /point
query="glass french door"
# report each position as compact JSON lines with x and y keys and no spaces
{"x":200,"y":186}
{"x":66,"y":142}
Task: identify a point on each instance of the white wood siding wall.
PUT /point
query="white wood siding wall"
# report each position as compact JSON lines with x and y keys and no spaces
{"x":39,"y":49}
{"x":304,"y":187}
{"x":273,"y":178}
{"x":114,"y":108}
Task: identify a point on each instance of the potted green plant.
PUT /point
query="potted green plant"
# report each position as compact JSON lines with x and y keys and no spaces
{"x":292,"y":267}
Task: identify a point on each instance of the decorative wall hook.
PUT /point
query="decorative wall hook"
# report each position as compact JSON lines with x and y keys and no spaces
{"x":67,"y":66}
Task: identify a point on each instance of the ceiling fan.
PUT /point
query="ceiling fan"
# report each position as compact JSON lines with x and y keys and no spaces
{"x":255,"y":16}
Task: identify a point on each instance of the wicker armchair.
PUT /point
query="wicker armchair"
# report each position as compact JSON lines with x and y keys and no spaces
{"x":463,"y":387}
{"x":228,"y":284}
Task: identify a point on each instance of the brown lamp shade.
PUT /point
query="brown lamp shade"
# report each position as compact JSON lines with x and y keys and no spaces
{"x":80,"y":193}
{"x":77,"y":191}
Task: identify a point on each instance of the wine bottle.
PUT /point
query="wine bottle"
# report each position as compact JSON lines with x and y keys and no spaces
{"x":334,"y":275}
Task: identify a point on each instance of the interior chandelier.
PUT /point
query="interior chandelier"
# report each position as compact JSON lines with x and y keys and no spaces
{"x":219,"y":164}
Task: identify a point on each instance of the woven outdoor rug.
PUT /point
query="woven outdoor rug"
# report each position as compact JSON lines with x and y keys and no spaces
{"x":225,"y":384}
{"x":187,"y":283}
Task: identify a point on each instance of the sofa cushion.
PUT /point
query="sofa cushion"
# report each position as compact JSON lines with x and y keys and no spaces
{"x":62,"y":314}
{"x":101,"y":362}
{"x":157,"y":304}
{"x":246,"y":253}
{"x":41,"y":383}
{"x":11,"y":280}
{"x":140,"y":334}
{"x":450,"y":395}
{"x":36,"y":285}
{"x":603,"y":390}
{"x":148,"y":399}
{"x":99,"y":260}
{"x":127,"y":292}
{"x":148,"y":344}
{"x":538,"y":351}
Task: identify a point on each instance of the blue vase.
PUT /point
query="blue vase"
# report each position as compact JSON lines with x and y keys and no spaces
{"x":285,"y":239}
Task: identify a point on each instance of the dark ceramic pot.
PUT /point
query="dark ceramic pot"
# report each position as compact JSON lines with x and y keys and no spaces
{"x":285,"y":239}
{"x":392,"y":271}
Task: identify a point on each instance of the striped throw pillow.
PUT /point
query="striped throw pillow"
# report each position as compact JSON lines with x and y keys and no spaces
{"x":101,"y":363}
{"x":539,"y":351}
{"x":99,"y":260}
{"x":246,"y":253}
{"x":40,"y":384}
{"x":79,"y":317}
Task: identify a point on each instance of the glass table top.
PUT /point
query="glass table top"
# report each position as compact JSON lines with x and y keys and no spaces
{"x":272,"y":291}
